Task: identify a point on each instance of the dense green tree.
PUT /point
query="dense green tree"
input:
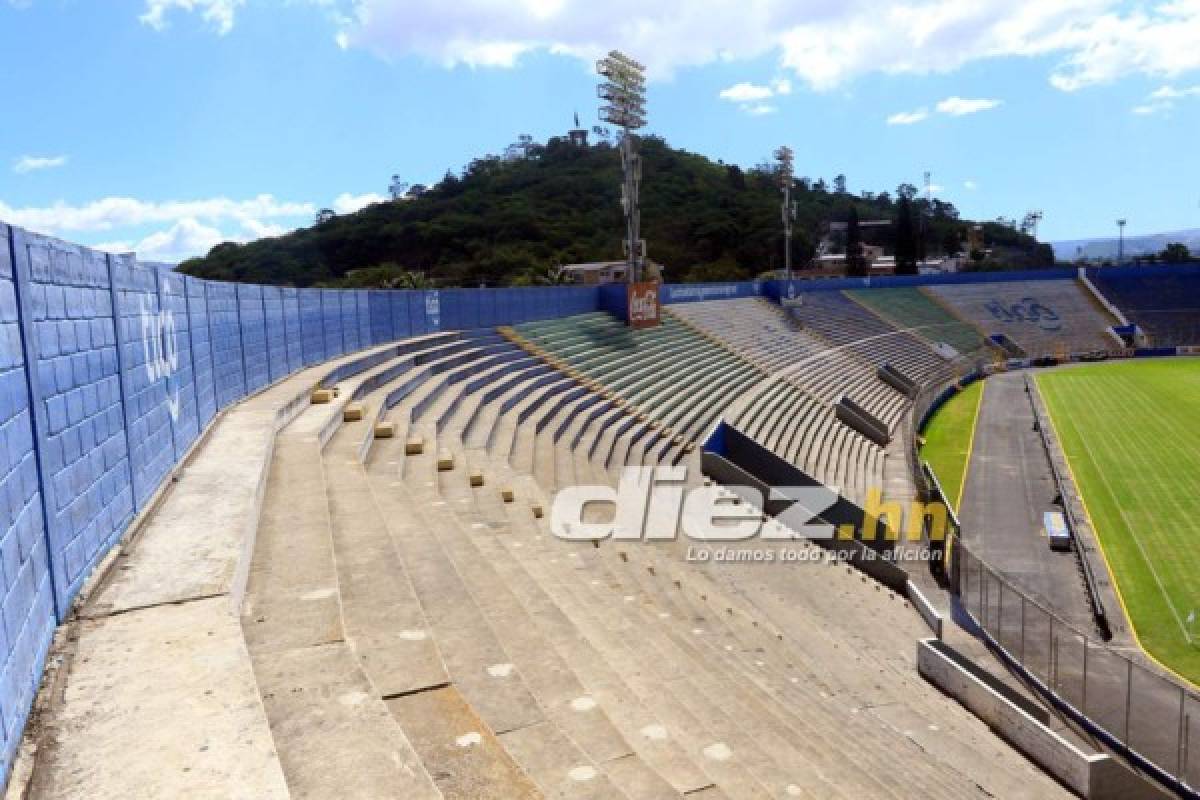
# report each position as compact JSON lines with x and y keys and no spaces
{"x":856,"y":262}
{"x":1175,"y":253}
{"x":905,"y":239}
{"x":498,"y":222}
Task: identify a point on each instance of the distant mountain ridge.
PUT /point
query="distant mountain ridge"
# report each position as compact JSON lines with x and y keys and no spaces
{"x":1106,"y":247}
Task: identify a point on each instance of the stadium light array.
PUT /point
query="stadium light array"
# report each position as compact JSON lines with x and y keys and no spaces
{"x":787,"y":171}
{"x":623,"y":93}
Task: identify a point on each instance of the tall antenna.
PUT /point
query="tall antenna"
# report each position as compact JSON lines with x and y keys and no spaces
{"x":624,"y":94}
{"x":1121,"y":241}
{"x":397,"y":187}
{"x":1029,"y":224}
{"x":925,"y":214}
{"x":786,"y":161}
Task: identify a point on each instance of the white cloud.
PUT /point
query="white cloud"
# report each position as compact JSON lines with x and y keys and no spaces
{"x":346,"y":203}
{"x":908,"y":117}
{"x":112,"y":213}
{"x":953,"y":106}
{"x":751,"y":97}
{"x":759,"y":109}
{"x":27,"y":164}
{"x":746,"y":93}
{"x":174,"y":230}
{"x":184,"y":239}
{"x":218,"y":13}
{"x":825,"y":43}
{"x":1163,"y":99}
{"x":959,"y":106}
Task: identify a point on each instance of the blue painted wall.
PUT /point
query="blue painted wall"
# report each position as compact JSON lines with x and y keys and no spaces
{"x":111,"y":370}
{"x":27,"y":601}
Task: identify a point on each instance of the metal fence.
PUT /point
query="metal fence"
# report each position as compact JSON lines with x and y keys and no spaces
{"x":1154,"y":717}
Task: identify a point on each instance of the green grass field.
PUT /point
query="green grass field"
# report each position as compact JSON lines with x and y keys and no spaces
{"x":948,"y":440}
{"x":1131,"y":433}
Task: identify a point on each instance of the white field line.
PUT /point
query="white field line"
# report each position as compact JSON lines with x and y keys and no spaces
{"x":1132,"y":530}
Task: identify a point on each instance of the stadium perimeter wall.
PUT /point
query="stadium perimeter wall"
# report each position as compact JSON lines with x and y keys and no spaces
{"x":111,"y":369}
{"x":612,"y":297}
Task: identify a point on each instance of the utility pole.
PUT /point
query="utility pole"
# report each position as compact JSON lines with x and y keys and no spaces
{"x":786,"y":161}
{"x":925,"y":214}
{"x":1121,"y":241}
{"x":624,"y":94}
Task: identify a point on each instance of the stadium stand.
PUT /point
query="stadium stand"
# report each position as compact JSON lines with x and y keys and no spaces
{"x":1165,"y":306}
{"x":852,"y":327}
{"x":669,"y":376}
{"x":607,"y":672}
{"x":912,"y":310}
{"x":762,"y":332}
{"x":336,"y":574}
{"x":1044,"y":318}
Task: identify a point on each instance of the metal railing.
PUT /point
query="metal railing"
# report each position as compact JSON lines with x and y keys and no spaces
{"x":1153,"y":718}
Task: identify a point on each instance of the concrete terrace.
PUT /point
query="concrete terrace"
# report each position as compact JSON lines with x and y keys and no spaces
{"x":378,"y":621}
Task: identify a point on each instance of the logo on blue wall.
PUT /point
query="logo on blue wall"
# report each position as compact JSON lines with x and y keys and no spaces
{"x":433,"y":309}
{"x":161,"y":351}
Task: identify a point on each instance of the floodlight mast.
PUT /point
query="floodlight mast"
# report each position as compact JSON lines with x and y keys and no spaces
{"x":624,"y":94}
{"x":786,"y":161}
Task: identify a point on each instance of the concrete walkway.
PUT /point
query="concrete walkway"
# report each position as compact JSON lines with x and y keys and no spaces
{"x":157,"y":697}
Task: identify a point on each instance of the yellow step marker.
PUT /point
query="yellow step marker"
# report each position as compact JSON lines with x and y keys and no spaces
{"x":477,"y":477}
{"x":385,"y":430}
{"x":507,"y":494}
{"x":414,"y":446}
{"x":445,"y":461}
{"x":322,"y":396}
{"x":353,"y":412}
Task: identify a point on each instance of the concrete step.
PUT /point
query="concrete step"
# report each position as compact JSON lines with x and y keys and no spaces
{"x":460,"y":751}
{"x":474,"y":659}
{"x":332,"y":731}
{"x":383,"y":618}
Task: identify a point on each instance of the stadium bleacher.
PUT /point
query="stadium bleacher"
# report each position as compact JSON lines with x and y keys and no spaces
{"x":1044,"y":318}
{"x":1166,"y":307}
{"x":914,"y":310}
{"x":851,"y":326}
{"x":380,"y":608}
{"x":578,"y":671}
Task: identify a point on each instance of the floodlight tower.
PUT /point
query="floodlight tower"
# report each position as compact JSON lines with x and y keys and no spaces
{"x":926,"y":213}
{"x":1121,"y":240}
{"x":1030,"y":223}
{"x":786,"y":160}
{"x":397,"y":187}
{"x":624,"y":94}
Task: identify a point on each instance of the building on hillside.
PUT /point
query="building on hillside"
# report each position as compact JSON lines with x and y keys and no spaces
{"x":876,"y":246}
{"x":578,"y":136}
{"x":595,"y":273}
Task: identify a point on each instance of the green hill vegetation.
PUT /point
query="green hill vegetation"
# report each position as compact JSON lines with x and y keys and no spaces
{"x":511,"y":220}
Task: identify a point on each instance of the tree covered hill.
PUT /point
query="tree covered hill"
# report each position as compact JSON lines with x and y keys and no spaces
{"x":503,"y":221}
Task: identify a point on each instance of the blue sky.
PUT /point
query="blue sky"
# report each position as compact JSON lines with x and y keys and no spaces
{"x":169,"y":125}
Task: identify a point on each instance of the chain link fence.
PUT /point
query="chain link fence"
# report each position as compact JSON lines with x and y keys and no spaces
{"x":1155,"y":717}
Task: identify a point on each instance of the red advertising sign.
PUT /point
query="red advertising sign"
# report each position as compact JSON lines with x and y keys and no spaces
{"x":642,"y":304}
